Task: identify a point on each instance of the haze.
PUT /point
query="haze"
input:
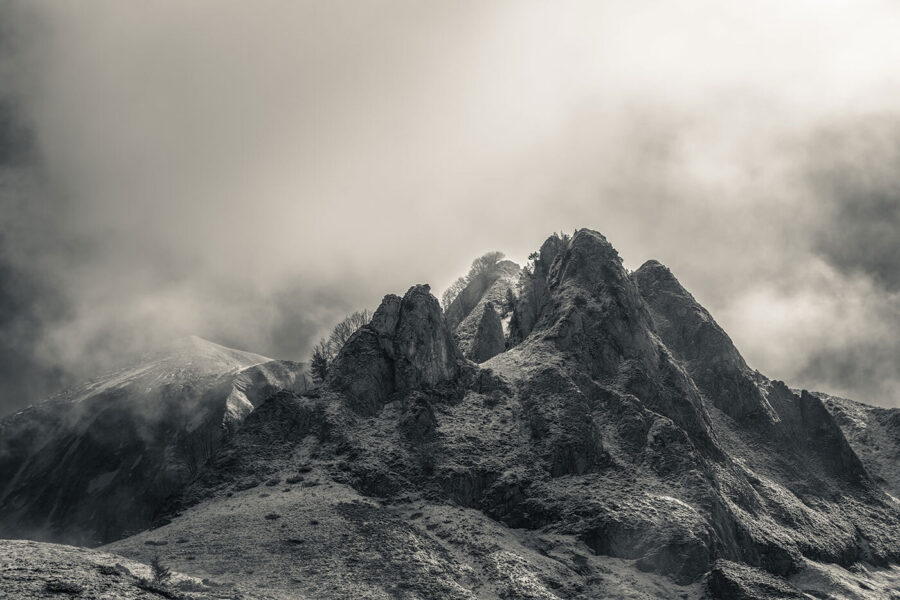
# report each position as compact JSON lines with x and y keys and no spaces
{"x":252,"y":172}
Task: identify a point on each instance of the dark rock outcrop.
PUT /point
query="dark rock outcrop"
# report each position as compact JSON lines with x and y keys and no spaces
{"x":705,"y":350}
{"x":406,"y":347}
{"x":488,"y":341}
{"x":732,"y":581}
{"x":534,"y":292}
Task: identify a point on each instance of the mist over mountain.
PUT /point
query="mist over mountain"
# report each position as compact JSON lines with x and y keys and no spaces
{"x":252,"y":176}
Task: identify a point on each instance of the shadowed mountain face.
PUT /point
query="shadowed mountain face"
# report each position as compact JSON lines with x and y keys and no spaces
{"x":95,"y":462}
{"x":619,"y":447}
{"x":874,"y":434}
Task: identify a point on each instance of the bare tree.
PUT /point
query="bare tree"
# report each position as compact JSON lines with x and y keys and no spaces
{"x":325,"y":351}
{"x":485,"y":263}
{"x":318,"y":365}
{"x":453,"y":291}
{"x":161,"y":573}
{"x":343,"y":330}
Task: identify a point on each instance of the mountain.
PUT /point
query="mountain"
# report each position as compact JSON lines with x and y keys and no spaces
{"x":95,"y":462}
{"x":619,"y":446}
{"x":874,"y":434}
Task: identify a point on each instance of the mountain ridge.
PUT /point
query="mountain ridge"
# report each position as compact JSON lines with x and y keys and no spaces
{"x":618,"y":446}
{"x":122,"y":442}
{"x":591,"y":425}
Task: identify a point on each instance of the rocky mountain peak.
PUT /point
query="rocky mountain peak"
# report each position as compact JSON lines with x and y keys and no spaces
{"x":407,"y":346}
{"x":697,"y":341}
{"x":489,"y":340}
{"x":594,"y":314}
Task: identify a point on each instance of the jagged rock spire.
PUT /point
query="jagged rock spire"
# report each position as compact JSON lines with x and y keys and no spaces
{"x":488,"y":341}
{"x":706,"y":351}
{"x":407,"y":346}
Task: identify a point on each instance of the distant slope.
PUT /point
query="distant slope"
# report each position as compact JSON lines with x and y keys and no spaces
{"x":95,"y":462}
{"x":874,"y":433}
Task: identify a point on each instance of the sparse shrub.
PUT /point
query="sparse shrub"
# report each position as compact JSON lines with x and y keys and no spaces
{"x":63,"y":587}
{"x":273,"y":516}
{"x":294,"y":479}
{"x":318,"y":364}
{"x":246,"y":484}
{"x":453,"y":291}
{"x":161,"y":573}
{"x":114,"y":571}
{"x":273,"y":482}
{"x":189,"y":585}
{"x":158,"y":589}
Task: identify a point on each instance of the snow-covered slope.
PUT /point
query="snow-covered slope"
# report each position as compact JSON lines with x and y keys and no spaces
{"x":184,"y":360}
{"x":95,"y":462}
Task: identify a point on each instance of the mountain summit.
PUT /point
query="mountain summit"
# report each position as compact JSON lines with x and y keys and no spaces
{"x":609,"y":442}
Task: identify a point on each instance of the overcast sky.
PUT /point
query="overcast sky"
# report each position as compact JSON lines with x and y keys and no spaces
{"x":251,"y":172}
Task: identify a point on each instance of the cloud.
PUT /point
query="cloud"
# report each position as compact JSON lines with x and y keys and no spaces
{"x":253,"y":174}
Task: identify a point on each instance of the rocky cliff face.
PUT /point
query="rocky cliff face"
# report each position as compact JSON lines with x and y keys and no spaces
{"x":874,"y":435}
{"x":97,"y":462}
{"x":489,"y":340}
{"x":407,"y":346}
{"x":621,"y":425}
{"x":698,"y":342}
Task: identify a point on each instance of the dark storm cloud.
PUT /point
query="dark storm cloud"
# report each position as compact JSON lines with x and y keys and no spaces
{"x":856,"y":177}
{"x":252,"y":175}
{"x":25,"y":306}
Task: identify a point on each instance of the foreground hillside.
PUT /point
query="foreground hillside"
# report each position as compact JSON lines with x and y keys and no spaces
{"x":31,"y":570}
{"x":97,"y":461}
{"x":618,"y":446}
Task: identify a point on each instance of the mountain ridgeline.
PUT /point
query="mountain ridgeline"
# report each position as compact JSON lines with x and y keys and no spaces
{"x":96,"y":462}
{"x":564,"y":430}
